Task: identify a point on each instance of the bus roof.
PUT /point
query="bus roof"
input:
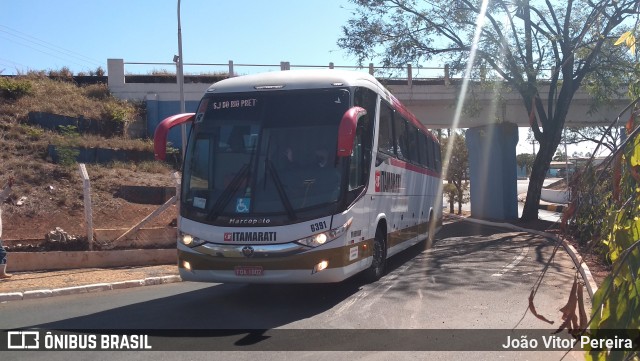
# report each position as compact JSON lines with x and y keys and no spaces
{"x":295,"y":79}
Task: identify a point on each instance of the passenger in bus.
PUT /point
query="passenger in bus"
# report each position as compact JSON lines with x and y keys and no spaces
{"x":288,"y":161}
{"x":236,"y":140}
{"x":322,"y":157}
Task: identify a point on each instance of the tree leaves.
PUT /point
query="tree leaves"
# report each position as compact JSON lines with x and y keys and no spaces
{"x":574,"y":322}
{"x":629,"y":40}
{"x":532,"y":308}
{"x":617,"y":301}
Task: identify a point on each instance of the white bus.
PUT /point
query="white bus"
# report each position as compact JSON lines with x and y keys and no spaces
{"x":307,"y":176}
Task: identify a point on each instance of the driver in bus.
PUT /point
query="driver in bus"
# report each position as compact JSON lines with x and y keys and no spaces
{"x":288,"y":161}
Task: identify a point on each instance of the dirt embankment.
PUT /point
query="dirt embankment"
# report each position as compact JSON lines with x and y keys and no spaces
{"x":48,"y":195}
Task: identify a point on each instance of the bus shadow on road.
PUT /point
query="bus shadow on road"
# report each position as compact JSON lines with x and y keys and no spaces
{"x":219,"y":306}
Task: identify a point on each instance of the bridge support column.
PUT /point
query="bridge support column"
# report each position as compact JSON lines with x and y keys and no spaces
{"x":493,"y":168}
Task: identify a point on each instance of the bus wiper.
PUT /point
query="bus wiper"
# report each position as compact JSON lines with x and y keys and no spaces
{"x":281,"y":192}
{"x":228,"y":193}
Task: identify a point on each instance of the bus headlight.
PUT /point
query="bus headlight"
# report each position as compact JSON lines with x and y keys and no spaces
{"x":189,"y":240}
{"x":324,"y":237}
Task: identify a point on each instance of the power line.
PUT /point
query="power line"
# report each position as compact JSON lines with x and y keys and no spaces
{"x":47,"y":44}
{"x":6,"y":65}
{"x":42,"y":51}
{"x":13,"y":62}
{"x":15,"y":65}
{"x":42,"y":43}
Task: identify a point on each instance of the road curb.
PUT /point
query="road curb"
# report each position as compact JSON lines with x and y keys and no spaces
{"x":590,"y":283}
{"x":98,"y":287}
{"x":546,"y":206}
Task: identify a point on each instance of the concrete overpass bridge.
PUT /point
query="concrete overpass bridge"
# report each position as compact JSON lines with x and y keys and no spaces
{"x":492,"y":116}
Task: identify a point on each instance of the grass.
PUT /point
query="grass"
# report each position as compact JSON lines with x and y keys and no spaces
{"x":64,"y":98}
{"x":57,"y":188}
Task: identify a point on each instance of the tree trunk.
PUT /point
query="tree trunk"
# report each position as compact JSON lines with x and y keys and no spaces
{"x":451,"y":201}
{"x":538,"y":174}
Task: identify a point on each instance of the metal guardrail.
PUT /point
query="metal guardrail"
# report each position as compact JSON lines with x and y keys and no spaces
{"x":411,"y":73}
{"x":231,"y":67}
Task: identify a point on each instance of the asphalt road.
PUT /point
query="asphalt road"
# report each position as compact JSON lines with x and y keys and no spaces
{"x":475,"y":278}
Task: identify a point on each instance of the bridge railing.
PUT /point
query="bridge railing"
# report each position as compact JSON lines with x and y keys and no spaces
{"x":407,"y":74}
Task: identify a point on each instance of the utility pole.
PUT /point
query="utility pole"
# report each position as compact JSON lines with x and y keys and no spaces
{"x":180,"y":77}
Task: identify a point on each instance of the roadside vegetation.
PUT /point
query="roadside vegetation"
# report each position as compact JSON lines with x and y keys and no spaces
{"x":47,"y":194}
{"x":456,"y":171}
{"x":605,"y":215}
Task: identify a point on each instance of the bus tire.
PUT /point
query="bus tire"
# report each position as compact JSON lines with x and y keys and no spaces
{"x":377,"y":268}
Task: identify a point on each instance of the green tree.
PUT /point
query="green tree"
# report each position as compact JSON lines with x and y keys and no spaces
{"x":596,"y":135}
{"x":560,"y":156}
{"x":456,"y":171}
{"x":518,"y":41}
{"x":525,"y":160}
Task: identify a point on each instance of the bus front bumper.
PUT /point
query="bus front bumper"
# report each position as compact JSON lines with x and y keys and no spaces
{"x":329,"y":265}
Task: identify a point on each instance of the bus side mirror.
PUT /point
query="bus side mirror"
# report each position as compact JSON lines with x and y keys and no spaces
{"x":347,"y":130}
{"x":162,"y":130}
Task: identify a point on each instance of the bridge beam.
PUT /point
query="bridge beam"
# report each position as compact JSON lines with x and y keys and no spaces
{"x":492,"y":166}
{"x":434,"y":105}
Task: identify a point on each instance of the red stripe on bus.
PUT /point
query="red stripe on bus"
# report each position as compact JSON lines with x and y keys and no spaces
{"x":414,"y":168}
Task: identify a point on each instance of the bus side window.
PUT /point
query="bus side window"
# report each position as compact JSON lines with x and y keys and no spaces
{"x":400,"y":131}
{"x":367,"y":99}
{"x":385,"y":137}
{"x":422,"y":150}
{"x":199,"y":167}
{"x":432,"y":153}
{"x":360,"y":160}
{"x":438,"y":157}
{"x":412,"y":143}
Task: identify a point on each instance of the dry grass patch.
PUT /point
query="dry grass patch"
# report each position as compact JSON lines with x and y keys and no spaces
{"x":51,"y":195}
{"x":67,"y":99}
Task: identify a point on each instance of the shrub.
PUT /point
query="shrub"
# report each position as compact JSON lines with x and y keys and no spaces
{"x":592,"y":189}
{"x":118,"y":113}
{"x":13,"y":89}
{"x":97,"y":91}
{"x":33,"y":133}
{"x":98,"y":72}
{"x":63,"y":73}
{"x":67,"y":156}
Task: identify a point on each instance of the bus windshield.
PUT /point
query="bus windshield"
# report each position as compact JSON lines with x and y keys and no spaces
{"x":262,"y":154}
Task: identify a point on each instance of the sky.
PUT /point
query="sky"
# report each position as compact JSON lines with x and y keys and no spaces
{"x":82,"y":34}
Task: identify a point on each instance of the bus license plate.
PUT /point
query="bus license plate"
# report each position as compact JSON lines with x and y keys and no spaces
{"x":249,"y":271}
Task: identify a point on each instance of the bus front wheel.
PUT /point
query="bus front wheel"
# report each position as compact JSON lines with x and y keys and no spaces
{"x":377,"y":268}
